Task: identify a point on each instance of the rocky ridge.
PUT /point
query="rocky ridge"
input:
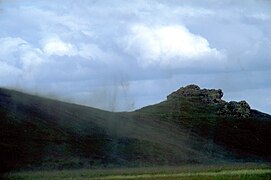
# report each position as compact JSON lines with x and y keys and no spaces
{"x":213,"y":96}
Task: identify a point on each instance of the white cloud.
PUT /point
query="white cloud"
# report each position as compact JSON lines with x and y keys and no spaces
{"x":55,"y":46}
{"x":259,"y":16}
{"x":7,"y":70}
{"x":94,"y":46}
{"x":91,"y":51}
{"x":166,"y":45}
{"x":18,"y":53}
{"x":32,"y":58}
{"x":9,"y":49}
{"x":187,"y":11}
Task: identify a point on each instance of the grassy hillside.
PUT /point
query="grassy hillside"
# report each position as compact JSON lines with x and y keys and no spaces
{"x":228,"y":171}
{"x":245,"y":136}
{"x":43,"y":133}
{"x":39,"y":133}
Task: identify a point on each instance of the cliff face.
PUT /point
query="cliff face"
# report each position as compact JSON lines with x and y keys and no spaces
{"x":213,"y":96}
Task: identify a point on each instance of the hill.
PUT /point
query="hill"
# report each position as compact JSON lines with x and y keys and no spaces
{"x":192,"y":126}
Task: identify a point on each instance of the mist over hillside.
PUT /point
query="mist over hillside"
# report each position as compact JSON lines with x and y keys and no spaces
{"x":193,"y":126}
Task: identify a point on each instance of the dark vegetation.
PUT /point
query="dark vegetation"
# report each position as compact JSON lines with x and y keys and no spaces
{"x":227,"y":171}
{"x":192,"y":126}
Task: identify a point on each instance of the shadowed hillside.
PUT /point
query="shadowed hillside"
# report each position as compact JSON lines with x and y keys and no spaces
{"x":232,"y":125}
{"x":192,"y":126}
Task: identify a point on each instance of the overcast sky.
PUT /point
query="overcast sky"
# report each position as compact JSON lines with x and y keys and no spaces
{"x":122,"y":55}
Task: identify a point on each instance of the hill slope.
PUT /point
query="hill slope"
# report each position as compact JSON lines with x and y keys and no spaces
{"x":191,"y":126}
{"x":232,"y":125}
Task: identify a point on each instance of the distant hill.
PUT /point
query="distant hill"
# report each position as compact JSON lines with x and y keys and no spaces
{"x":192,"y":126}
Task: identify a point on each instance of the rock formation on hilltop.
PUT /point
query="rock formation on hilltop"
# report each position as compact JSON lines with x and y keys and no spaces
{"x":206,"y":95}
{"x":213,"y":96}
{"x":240,"y":109}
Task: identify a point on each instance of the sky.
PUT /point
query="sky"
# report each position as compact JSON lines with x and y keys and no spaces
{"x":122,"y":55}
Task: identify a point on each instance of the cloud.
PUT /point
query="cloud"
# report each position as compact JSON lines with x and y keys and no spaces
{"x":81,"y":51}
{"x":7,"y":70}
{"x":18,"y":53}
{"x":54,"y":46}
{"x":166,"y":45}
{"x":93,"y":52}
{"x":9,"y":47}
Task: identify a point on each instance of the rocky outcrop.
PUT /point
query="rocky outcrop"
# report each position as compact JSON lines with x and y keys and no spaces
{"x":206,"y":95}
{"x":238,"y":109}
{"x":213,"y":96}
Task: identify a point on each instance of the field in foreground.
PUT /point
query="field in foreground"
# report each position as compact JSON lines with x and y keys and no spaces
{"x":236,"y":171}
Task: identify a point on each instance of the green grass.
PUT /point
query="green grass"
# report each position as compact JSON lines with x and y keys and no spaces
{"x":235,"y":171}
